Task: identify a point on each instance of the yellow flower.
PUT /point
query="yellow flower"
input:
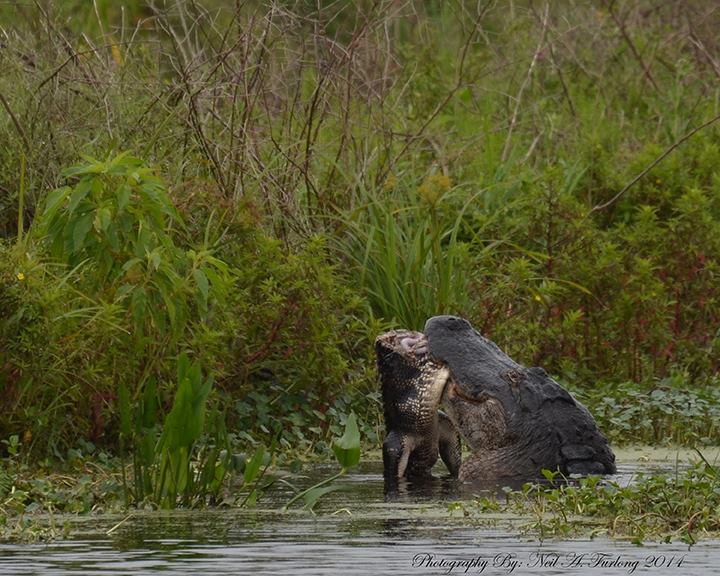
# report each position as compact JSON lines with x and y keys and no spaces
{"x":433,"y":188}
{"x":390,"y":183}
{"x":538,"y":298}
{"x":20,"y":276}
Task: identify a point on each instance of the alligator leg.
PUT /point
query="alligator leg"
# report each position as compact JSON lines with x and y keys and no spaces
{"x":395,"y":456}
{"x":449,"y":441}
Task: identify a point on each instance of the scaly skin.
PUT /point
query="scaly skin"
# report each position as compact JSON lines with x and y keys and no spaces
{"x":516,"y":420}
{"x":412,"y":385}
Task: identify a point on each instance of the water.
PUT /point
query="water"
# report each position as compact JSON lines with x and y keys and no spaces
{"x":355,"y":533}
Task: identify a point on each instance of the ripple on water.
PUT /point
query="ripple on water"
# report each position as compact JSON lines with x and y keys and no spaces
{"x":413,"y":535}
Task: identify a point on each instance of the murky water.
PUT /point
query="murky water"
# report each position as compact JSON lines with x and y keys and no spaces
{"x":355,"y":533}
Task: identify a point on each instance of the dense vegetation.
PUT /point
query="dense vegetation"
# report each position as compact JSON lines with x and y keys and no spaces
{"x":261,"y":189}
{"x":663,"y":507}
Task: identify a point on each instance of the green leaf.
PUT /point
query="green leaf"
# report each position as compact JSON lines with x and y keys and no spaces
{"x":137,"y":305}
{"x":130,"y":263}
{"x":111,"y":234}
{"x":79,"y":193}
{"x":123,"y":196}
{"x":312,"y":496}
{"x":253,"y":467}
{"x":93,"y":166}
{"x":123,"y":291}
{"x":80,"y":229}
{"x":155,"y":259}
{"x":252,"y":499}
{"x":103,"y":217}
{"x":549,"y":474}
{"x":202,"y":283}
{"x":150,"y":403}
{"x":347,"y":448}
{"x":55,"y":198}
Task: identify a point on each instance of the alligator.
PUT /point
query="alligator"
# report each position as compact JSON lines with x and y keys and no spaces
{"x":416,"y":431}
{"x":516,"y":421}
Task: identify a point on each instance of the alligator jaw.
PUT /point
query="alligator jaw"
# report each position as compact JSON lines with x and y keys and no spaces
{"x":409,"y":344}
{"x":452,"y":390}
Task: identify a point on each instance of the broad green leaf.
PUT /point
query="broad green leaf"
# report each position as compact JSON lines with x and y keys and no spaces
{"x":81,"y":228}
{"x":103,"y":217}
{"x":150,"y":403}
{"x":55,"y":198}
{"x":123,"y":196}
{"x":79,"y":193}
{"x":112,"y":236}
{"x":93,"y":166}
{"x":549,"y":474}
{"x":155,"y":259}
{"x":130,"y":263}
{"x":253,"y":466}
{"x":312,"y":496}
{"x":347,"y":448}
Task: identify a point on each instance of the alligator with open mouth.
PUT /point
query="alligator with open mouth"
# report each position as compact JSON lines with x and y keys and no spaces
{"x":516,"y":421}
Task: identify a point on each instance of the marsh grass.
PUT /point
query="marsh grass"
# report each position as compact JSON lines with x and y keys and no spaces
{"x":169,"y":467}
{"x":407,"y":254}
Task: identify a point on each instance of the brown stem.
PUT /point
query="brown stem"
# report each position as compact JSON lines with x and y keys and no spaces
{"x":621,"y":26}
{"x":652,"y":165}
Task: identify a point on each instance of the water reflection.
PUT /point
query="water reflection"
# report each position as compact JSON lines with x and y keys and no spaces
{"x":356,"y":532}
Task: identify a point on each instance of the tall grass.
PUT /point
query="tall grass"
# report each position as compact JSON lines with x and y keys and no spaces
{"x":408,"y":254}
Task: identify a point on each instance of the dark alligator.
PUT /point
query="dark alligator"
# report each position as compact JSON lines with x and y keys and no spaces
{"x":416,"y":431}
{"x":515,"y":420}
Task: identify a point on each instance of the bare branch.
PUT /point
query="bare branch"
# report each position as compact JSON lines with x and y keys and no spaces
{"x":652,"y":165}
{"x":526,"y":82}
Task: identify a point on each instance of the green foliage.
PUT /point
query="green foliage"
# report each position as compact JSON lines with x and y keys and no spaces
{"x":290,"y":319}
{"x":168,"y":469}
{"x":407,"y":254}
{"x":114,"y":224}
{"x":631,"y":298}
{"x":108,"y":306}
{"x":653,"y":507}
{"x":34,"y":497}
{"x":308,"y":423}
{"x":32,"y":296}
{"x":291,"y":215}
{"x":347,"y":447}
{"x":347,"y":453}
{"x":182,"y":429}
{"x":666,"y":413}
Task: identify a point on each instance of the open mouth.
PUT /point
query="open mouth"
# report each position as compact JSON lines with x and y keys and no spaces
{"x":406,"y":342}
{"x":413,"y":343}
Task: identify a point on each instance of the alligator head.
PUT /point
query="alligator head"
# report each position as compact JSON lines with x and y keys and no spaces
{"x":516,"y":420}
